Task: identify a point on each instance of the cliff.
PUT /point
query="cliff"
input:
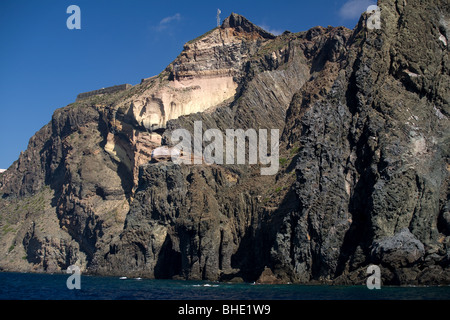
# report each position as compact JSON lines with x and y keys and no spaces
{"x":364,"y":162}
{"x":102,"y":91}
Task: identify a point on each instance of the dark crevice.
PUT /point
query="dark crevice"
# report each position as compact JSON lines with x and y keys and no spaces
{"x":100,"y":192}
{"x":294,"y":223}
{"x":221,"y":250}
{"x":168,"y":263}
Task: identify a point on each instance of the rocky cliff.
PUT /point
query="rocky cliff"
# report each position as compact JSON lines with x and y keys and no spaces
{"x":363,"y":170}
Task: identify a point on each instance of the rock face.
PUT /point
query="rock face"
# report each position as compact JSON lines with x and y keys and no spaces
{"x":400,"y":250}
{"x":364,"y":162}
{"x":207,"y":73}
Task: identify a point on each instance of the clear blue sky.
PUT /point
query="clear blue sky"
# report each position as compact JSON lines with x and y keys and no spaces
{"x":44,"y":65}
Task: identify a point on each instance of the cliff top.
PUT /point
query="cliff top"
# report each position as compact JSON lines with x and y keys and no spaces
{"x":241,"y":24}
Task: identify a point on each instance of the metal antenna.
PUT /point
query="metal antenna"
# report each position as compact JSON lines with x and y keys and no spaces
{"x":218,"y":17}
{"x":175,"y":70}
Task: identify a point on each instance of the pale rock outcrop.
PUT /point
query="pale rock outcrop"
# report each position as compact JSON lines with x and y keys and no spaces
{"x":205,"y":74}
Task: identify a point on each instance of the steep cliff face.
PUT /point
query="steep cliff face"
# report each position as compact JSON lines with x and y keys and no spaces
{"x":207,"y":72}
{"x":219,"y":222}
{"x":372,"y":168}
{"x":364,"y":162}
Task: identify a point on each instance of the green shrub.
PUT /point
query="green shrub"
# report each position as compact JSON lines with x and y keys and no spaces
{"x":294,"y":151}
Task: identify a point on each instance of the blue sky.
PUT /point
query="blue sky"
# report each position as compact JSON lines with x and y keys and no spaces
{"x":44,"y":65}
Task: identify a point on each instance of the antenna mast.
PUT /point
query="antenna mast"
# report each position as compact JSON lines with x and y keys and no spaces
{"x":218,"y":17}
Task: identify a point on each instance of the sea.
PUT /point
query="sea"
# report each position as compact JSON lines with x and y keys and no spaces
{"x":33,"y":286}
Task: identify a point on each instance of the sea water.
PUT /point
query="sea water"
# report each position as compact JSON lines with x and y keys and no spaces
{"x":29,"y":286}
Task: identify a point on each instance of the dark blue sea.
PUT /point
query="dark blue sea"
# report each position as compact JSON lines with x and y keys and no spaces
{"x":27,"y":286}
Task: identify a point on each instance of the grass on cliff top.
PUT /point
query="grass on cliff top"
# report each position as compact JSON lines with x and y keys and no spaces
{"x":121,"y":98}
{"x":277,"y":44}
{"x":101,"y":99}
{"x":202,"y":36}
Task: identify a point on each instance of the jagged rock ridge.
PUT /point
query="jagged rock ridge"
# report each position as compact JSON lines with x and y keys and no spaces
{"x":364,"y":162}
